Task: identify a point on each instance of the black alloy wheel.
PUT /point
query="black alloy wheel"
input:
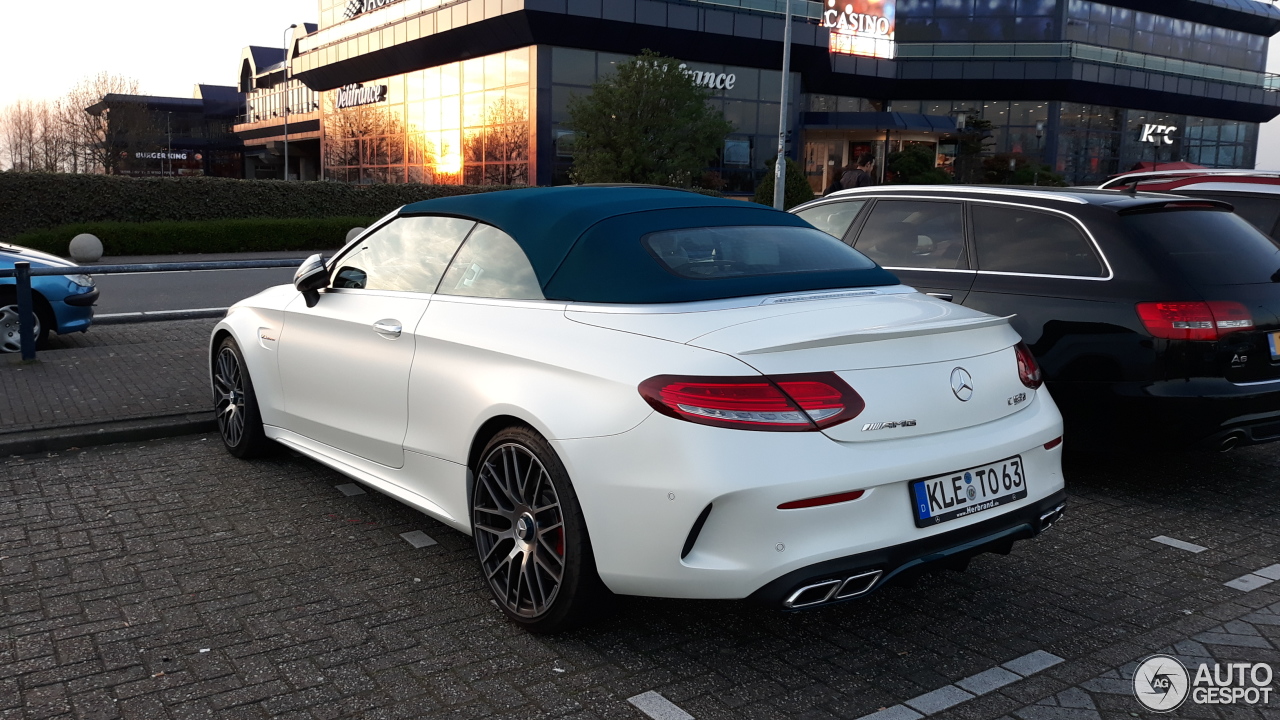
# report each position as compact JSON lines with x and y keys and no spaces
{"x":531,"y":537}
{"x":235,"y":405}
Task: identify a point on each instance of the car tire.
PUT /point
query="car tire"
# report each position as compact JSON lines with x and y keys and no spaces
{"x":235,"y":404}
{"x":9,"y":321}
{"x":531,"y":537}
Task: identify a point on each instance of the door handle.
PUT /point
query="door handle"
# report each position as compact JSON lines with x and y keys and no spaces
{"x":388,"y":327}
{"x":943,"y":296}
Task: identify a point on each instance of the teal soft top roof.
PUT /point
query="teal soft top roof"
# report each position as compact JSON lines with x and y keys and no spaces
{"x":585,"y":243}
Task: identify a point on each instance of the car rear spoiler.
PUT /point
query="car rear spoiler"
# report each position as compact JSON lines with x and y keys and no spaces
{"x":877,"y":336}
{"x":1178,"y":204}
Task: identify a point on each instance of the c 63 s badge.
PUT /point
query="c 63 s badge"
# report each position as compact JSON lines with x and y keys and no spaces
{"x":1018,"y":399}
{"x":888,"y":425}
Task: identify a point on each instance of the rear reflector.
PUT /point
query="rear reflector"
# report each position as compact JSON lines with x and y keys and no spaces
{"x":824,"y":500}
{"x":1194,"y":320}
{"x":1053,"y":443}
{"x":786,"y":403}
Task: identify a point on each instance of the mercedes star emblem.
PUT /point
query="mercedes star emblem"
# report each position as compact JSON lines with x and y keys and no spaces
{"x":962,"y":384}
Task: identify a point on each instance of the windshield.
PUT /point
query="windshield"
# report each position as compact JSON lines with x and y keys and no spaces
{"x":730,"y":252}
{"x":1210,"y":247}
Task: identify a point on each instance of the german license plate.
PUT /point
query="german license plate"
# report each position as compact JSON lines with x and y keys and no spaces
{"x":966,"y":492}
{"x":1273,"y":340}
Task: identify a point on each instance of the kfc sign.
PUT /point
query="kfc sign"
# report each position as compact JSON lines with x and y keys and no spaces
{"x":861,"y":27}
{"x":1158,"y":134}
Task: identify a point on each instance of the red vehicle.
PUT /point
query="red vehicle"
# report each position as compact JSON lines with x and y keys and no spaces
{"x":1255,"y":194}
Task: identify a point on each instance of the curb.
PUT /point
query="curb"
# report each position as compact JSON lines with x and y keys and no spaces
{"x":158,"y":316}
{"x":105,"y":433}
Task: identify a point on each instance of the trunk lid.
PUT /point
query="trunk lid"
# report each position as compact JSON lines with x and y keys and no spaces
{"x":897,"y":350}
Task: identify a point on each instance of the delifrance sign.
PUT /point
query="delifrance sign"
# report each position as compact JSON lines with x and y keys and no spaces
{"x":710,"y":80}
{"x":861,"y":27}
{"x":357,"y":95}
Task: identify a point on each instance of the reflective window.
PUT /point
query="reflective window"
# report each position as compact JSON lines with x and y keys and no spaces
{"x":407,"y":255}
{"x":462,"y":122}
{"x":1018,"y":240}
{"x":1209,"y":247}
{"x":726,"y":252}
{"x":1099,"y":24}
{"x":491,"y":265}
{"x":833,"y":218}
{"x":915,"y":234}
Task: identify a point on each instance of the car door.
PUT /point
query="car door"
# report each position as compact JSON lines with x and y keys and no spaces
{"x":345,"y":363}
{"x":1045,"y":269}
{"x":922,"y":241}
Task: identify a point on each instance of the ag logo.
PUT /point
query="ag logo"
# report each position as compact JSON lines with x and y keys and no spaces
{"x":962,"y":384}
{"x":1161,"y":683}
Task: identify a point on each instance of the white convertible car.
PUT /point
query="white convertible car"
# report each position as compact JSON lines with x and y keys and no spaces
{"x":649,"y":392}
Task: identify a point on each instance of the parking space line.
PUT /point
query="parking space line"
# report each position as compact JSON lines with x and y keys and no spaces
{"x":418,"y":539}
{"x":350,"y":489}
{"x":1256,"y":579}
{"x":967,"y":689}
{"x":658,"y":707}
{"x":1180,"y":544}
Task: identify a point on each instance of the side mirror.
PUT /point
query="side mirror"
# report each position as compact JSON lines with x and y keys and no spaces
{"x":310,"y":277}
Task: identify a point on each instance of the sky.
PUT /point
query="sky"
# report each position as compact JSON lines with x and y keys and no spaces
{"x":167,"y":45}
{"x":171,"y":45}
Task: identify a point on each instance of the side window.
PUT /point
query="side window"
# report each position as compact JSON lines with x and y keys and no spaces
{"x":833,"y":218}
{"x":408,"y":255}
{"x":491,"y":265}
{"x":1020,"y":240}
{"x":915,"y":234}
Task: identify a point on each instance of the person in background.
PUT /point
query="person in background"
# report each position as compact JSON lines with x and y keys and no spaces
{"x":837,"y":183}
{"x":860,"y":175}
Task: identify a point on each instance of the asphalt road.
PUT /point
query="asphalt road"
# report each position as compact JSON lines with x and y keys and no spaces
{"x":184,"y":290}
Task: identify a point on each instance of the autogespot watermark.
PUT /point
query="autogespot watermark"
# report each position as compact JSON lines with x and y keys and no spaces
{"x":1162,"y":684}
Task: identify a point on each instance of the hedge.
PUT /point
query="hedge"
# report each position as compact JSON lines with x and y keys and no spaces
{"x":34,"y":201}
{"x":209,"y":236}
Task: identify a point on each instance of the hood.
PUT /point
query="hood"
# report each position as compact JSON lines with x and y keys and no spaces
{"x":17,"y":253}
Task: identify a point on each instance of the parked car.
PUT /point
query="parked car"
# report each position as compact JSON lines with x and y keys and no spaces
{"x":1155,"y":318}
{"x":1255,"y":194}
{"x":63,"y":303}
{"x":648,"y":392}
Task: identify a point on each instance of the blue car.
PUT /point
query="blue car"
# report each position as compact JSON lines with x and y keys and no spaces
{"x":63,"y":303}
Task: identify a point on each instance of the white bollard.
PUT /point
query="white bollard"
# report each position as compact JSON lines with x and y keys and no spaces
{"x":86,"y":248}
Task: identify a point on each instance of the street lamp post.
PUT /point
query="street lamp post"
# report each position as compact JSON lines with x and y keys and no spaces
{"x":285,"y":102}
{"x":1035,"y":180}
{"x":779,"y":170}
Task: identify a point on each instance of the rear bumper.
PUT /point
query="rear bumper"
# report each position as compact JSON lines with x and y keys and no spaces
{"x":858,"y":575}
{"x":646,"y":493}
{"x":1195,"y":412}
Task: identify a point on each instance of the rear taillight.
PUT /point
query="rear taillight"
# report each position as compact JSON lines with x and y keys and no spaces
{"x":1028,"y":368}
{"x":786,"y":403}
{"x":1194,"y":320}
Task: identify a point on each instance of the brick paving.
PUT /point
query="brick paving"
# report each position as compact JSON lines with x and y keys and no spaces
{"x":169,"y":580}
{"x":112,"y":372}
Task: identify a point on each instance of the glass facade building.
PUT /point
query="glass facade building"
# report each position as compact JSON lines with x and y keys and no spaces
{"x":477,"y":91}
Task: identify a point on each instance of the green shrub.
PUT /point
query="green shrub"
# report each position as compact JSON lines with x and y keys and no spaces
{"x":795,"y":189}
{"x":32,"y":201}
{"x":209,"y":236}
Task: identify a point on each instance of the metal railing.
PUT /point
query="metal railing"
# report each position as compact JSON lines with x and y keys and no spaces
{"x":23,"y":272}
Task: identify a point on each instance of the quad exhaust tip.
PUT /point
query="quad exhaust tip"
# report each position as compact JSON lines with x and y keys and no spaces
{"x":834,"y":589}
{"x":1048,"y":519}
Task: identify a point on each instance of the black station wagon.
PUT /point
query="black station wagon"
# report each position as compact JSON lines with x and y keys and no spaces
{"x":1155,"y":318}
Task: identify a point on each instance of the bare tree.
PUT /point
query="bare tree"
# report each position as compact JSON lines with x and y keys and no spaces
{"x":100,"y":137}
